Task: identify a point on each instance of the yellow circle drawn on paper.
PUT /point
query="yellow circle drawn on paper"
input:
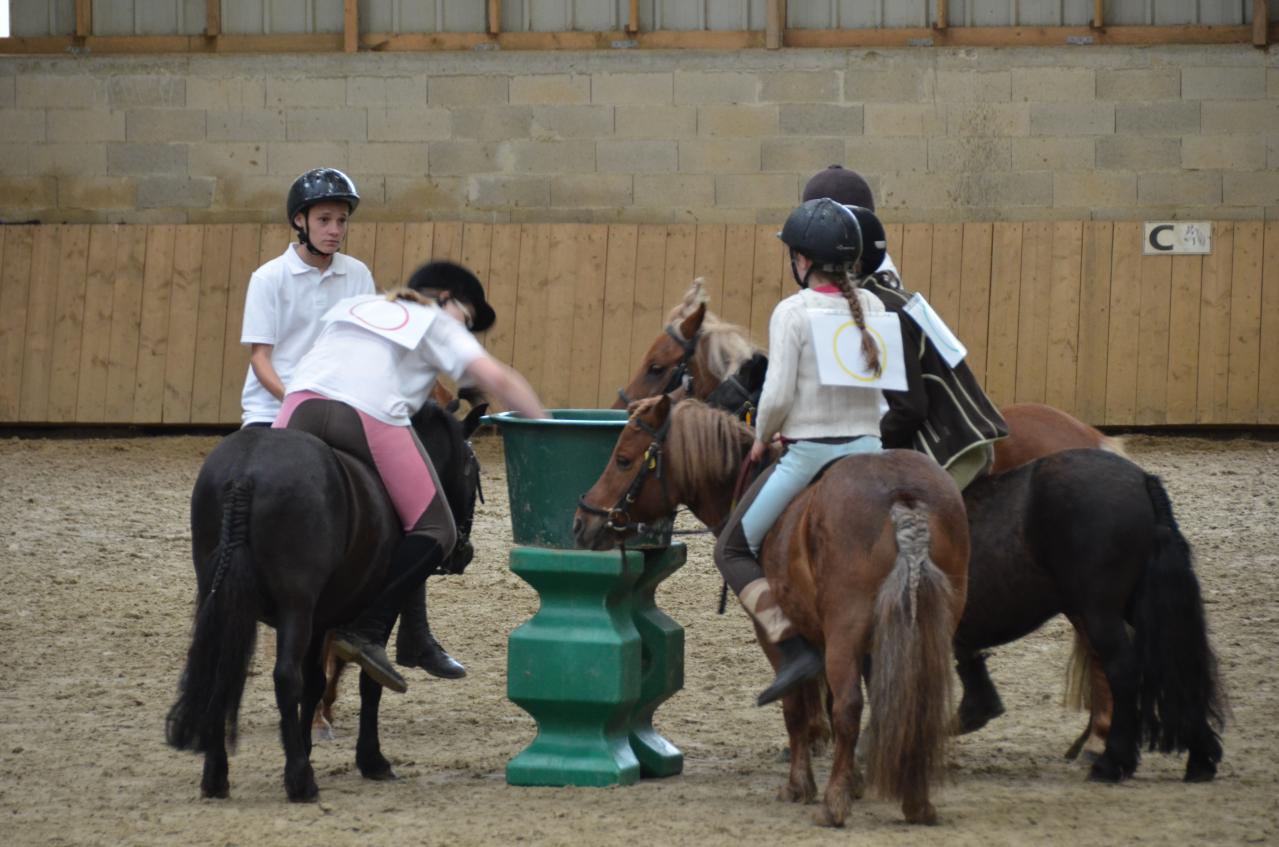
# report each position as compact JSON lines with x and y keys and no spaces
{"x":839,"y":360}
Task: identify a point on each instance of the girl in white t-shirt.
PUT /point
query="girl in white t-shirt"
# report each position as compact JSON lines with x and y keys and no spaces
{"x":819,"y":422}
{"x":370,"y":370}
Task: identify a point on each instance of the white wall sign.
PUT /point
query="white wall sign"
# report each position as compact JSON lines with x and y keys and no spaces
{"x":1177,"y":237}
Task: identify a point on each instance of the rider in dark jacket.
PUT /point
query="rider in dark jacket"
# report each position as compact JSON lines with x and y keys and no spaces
{"x":952,"y":419}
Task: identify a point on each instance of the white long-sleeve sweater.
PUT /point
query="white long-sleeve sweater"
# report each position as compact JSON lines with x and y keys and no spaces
{"x":794,"y":401}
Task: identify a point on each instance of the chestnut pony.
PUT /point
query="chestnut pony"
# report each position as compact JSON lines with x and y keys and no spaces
{"x":702,"y":356}
{"x":1081,"y":530}
{"x":869,"y":560}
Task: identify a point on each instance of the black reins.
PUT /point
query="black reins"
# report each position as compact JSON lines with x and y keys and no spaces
{"x":679,"y":374}
{"x":619,"y":518}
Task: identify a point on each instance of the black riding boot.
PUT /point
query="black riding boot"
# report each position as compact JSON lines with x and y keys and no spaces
{"x":363,"y":641}
{"x":801,"y":662}
{"x":416,"y":647}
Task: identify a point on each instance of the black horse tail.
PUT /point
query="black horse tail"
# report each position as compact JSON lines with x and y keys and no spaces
{"x":208,"y":704}
{"x":1182,"y":703}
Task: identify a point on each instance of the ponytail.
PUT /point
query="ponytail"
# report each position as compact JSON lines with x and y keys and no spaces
{"x":847,"y":285}
{"x":403,"y":293}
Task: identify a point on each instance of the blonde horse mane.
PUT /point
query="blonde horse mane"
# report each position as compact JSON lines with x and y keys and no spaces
{"x":705,"y":445}
{"x":724,"y":345}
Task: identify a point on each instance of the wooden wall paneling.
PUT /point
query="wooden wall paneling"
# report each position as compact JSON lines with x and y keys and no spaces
{"x":68,"y":327}
{"x":419,"y":241}
{"x":153,"y":333}
{"x":973,"y":325}
{"x":276,"y":238}
{"x":388,"y":256}
{"x":708,"y":262}
{"x":1214,"y":327}
{"x":211,"y":325}
{"x":588,"y":317}
{"x":95,"y":334}
{"x":1061,"y":370}
{"x":500,"y":288}
{"x":447,"y":241}
{"x":616,"y":364}
{"x":477,"y":246}
{"x":681,"y":250}
{"x":1000,"y":379}
{"x":1245,"y":322}
{"x":1094,"y":321}
{"x":650,"y":285}
{"x":1183,"y":340}
{"x":1032,"y":314}
{"x":184,"y":314}
{"x":734,"y":304}
{"x":1125,"y":325}
{"x":531,"y":292}
{"x":561,"y":288}
{"x":1152,"y":339}
{"x":1268,"y":376}
{"x":42,"y":314}
{"x":361,"y":242}
{"x":894,"y":235}
{"x":764,"y":284}
{"x":915,"y":259}
{"x":15,"y":287}
{"x":948,"y":264}
{"x":246,"y":245}
{"x":126,"y":319}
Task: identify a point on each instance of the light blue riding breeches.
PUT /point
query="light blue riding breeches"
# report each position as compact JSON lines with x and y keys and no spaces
{"x":801,"y":462}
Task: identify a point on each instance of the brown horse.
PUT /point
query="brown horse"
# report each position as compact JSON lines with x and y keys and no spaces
{"x":697,"y":352}
{"x":870,"y":560}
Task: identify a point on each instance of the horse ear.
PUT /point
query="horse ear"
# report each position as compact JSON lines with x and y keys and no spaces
{"x":691,"y":324}
{"x":472,"y":420}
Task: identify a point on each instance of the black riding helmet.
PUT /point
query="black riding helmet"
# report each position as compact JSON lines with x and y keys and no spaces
{"x":434,"y":278}
{"x":874,"y":239}
{"x":319,"y":185}
{"x":827,"y":233}
{"x":841,"y":185}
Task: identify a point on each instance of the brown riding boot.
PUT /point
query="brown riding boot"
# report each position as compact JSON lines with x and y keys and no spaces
{"x":800,"y":660}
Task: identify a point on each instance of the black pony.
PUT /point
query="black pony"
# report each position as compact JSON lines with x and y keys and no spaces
{"x":288,"y":531}
{"x":1089,"y":534}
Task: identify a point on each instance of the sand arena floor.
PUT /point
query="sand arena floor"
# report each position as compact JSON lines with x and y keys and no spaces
{"x":95,"y":603}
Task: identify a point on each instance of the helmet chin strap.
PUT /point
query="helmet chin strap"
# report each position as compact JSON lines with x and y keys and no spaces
{"x":794,"y":271}
{"x":304,"y":236}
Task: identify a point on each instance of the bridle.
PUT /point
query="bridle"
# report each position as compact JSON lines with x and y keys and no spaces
{"x":679,"y":374}
{"x":618,"y":517}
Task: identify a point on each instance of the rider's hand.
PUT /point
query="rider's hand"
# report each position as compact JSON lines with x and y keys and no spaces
{"x":757,"y":451}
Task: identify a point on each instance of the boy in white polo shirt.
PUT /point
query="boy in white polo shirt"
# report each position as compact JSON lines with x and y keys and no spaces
{"x":288,"y":295}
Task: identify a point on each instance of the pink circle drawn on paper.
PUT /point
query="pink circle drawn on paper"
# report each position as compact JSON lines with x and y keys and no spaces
{"x":404,"y":313}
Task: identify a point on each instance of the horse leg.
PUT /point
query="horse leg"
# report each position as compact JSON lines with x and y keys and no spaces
{"x":801,"y":709}
{"x":843,"y":674}
{"x":368,"y":749}
{"x":1094,"y":692}
{"x":293,"y":643}
{"x":1109,"y":638}
{"x":214,"y":782}
{"x":980,"y":703}
{"x":322,"y":724}
{"x":313,"y":687}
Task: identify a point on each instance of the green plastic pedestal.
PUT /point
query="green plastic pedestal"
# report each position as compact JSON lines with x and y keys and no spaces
{"x":575,"y":667}
{"x":593,"y":665}
{"x":599,"y":657}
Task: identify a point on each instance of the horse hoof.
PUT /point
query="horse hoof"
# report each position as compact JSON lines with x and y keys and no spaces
{"x":305,"y":794}
{"x":1105,"y":770}
{"x":324,"y":733}
{"x":1200,"y":774}
{"x":224,"y":791}
{"x":926,"y":816}
{"x":828,"y":817}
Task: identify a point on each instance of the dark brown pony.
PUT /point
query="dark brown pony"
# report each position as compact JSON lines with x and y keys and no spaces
{"x":871,"y":560}
{"x":697,"y":352}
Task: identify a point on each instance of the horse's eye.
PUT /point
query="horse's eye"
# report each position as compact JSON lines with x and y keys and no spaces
{"x":656,"y":370}
{"x":623,"y":462}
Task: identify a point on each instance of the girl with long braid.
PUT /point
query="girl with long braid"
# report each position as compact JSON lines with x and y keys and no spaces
{"x":818,"y":422}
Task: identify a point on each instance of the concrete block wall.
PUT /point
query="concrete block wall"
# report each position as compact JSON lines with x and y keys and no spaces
{"x":646,"y":136}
